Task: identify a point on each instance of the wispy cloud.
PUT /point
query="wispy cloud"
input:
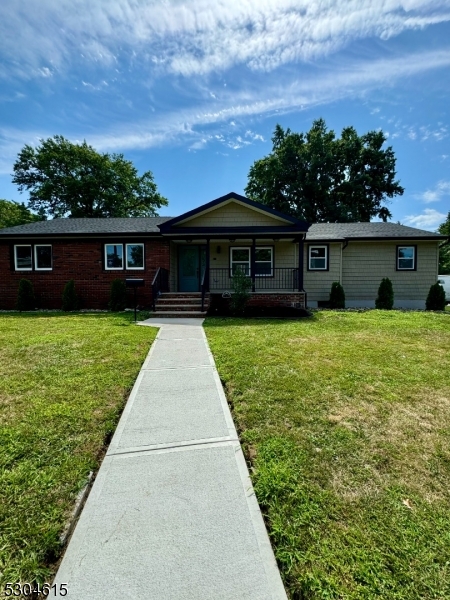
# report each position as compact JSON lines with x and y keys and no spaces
{"x":436,"y":194}
{"x":199,"y":37}
{"x":351,"y":80}
{"x":430,"y":219}
{"x":224,"y":116}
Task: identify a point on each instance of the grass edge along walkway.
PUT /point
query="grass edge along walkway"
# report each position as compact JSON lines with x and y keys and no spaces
{"x":345,"y":418}
{"x":64,"y":380}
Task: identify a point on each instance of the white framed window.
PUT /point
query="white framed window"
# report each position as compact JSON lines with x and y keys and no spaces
{"x":240,"y":259}
{"x":43,"y":260}
{"x":114,"y":257}
{"x":318,"y":258}
{"x":23,"y":260}
{"x":264,"y":261}
{"x":406,"y":258}
{"x":135,"y":256}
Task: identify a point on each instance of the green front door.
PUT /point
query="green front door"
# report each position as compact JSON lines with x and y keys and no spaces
{"x":191,"y":260}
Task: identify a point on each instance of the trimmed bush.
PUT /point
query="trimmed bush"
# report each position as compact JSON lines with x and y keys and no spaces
{"x":25,"y":296}
{"x":69,"y":297}
{"x":385,"y":298}
{"x":337,"y":295}
{"x":436,"y":297}
{"x":118,"y":295}
{"x":241,"y":291}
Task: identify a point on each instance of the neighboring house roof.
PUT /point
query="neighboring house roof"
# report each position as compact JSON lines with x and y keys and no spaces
{"x":364,"y":231}
{"x":125,"y":225}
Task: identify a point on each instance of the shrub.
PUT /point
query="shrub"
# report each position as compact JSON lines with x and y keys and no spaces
{"x":241,"y":291}
{"x":69,"y":297}
{"x":337,"y":295}
{"x":118,"y":295}
{"x":25,"y":296}
{"x":436,"y":297}
{"x":385,"y":298}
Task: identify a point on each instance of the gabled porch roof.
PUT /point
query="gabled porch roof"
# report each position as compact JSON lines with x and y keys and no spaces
{"x":215,"y":220}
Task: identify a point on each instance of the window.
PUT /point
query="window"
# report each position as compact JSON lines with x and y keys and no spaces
{"x":264,"y":262}
{"x":318,"y":258}
{"x":43,"y":257}
{"x":114,"y":257}
{"x":23,"y":258}
{"x":115,"y":260}
{"x":135,"y":256}
{"x":406,"y":258}
{"x":240,"y":259}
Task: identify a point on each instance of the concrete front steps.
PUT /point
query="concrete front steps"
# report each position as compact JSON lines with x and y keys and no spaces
{"x":181,"y":304}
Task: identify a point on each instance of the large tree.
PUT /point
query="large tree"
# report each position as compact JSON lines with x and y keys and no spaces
{"x":74,"y":180}
{"x":444,"y":250}
{"x":320,"y":178}
{"x":15,"y":213}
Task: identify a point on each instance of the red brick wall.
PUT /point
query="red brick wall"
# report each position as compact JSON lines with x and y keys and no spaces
{"x":274,"y":299}
{"x":277,"y":299}
{"x":80,"y":260}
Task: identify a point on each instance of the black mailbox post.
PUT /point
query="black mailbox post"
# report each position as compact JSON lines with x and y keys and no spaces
{"x":134,"y":283}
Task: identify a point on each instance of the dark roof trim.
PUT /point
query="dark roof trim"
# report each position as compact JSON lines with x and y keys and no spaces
{"x":429,"y":238}
{"x":81,"y":236}
{"x":226,"y":231}
{"x":231,"y":196}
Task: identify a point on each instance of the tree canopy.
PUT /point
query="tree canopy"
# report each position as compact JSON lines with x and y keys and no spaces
{"x":74,"y":180}
{"x":15,"y":213}
{"x":319,"y":178}
{"x":444,"y":251}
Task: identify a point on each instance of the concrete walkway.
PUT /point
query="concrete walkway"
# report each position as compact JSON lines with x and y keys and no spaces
{"x":172,"y":514}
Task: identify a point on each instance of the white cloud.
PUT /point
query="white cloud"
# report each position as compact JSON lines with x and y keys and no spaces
{"x":45,"y":72}
{"x":187,"y":124}
{"x":436,"y":194}
{"x":430,"y":219}
{"x":420,"y":133}
{"x":200,"y":36}
{"x":254,"y":136}
{"x":351,"y":80}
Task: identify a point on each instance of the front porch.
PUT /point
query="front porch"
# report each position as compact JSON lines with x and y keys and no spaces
{"x":271,"y":265}
{"x":209,"y":244}
{"x":202,"y":269}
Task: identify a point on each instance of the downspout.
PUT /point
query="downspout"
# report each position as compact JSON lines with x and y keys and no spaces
{"x":253,"y":264}
{"x":300,"y":264}
{"x":301,"y":246}
{"x":446,"y":243}
{"x":343,"y":247}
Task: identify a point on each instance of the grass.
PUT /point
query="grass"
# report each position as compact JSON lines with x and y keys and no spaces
{"x":345,"y":419}
{"x":63,"y":383}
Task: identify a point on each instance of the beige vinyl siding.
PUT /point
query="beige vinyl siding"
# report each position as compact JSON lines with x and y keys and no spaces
{"x":233,"y":214}
{"x":365,"y":264}
{"x":317,"y":284}
{"x":284,"y":253}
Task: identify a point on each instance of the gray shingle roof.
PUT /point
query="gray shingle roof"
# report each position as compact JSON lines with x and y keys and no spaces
{"x":338,"y":231}
{"x":88,"y":226}
{"x":130,"y":225}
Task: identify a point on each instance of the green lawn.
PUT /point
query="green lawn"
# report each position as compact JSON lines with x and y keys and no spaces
{"x":345,"y":418}
{"x":63,"y":382}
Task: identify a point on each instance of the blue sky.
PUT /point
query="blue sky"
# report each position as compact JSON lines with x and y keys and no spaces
{"x":193,"y":90}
